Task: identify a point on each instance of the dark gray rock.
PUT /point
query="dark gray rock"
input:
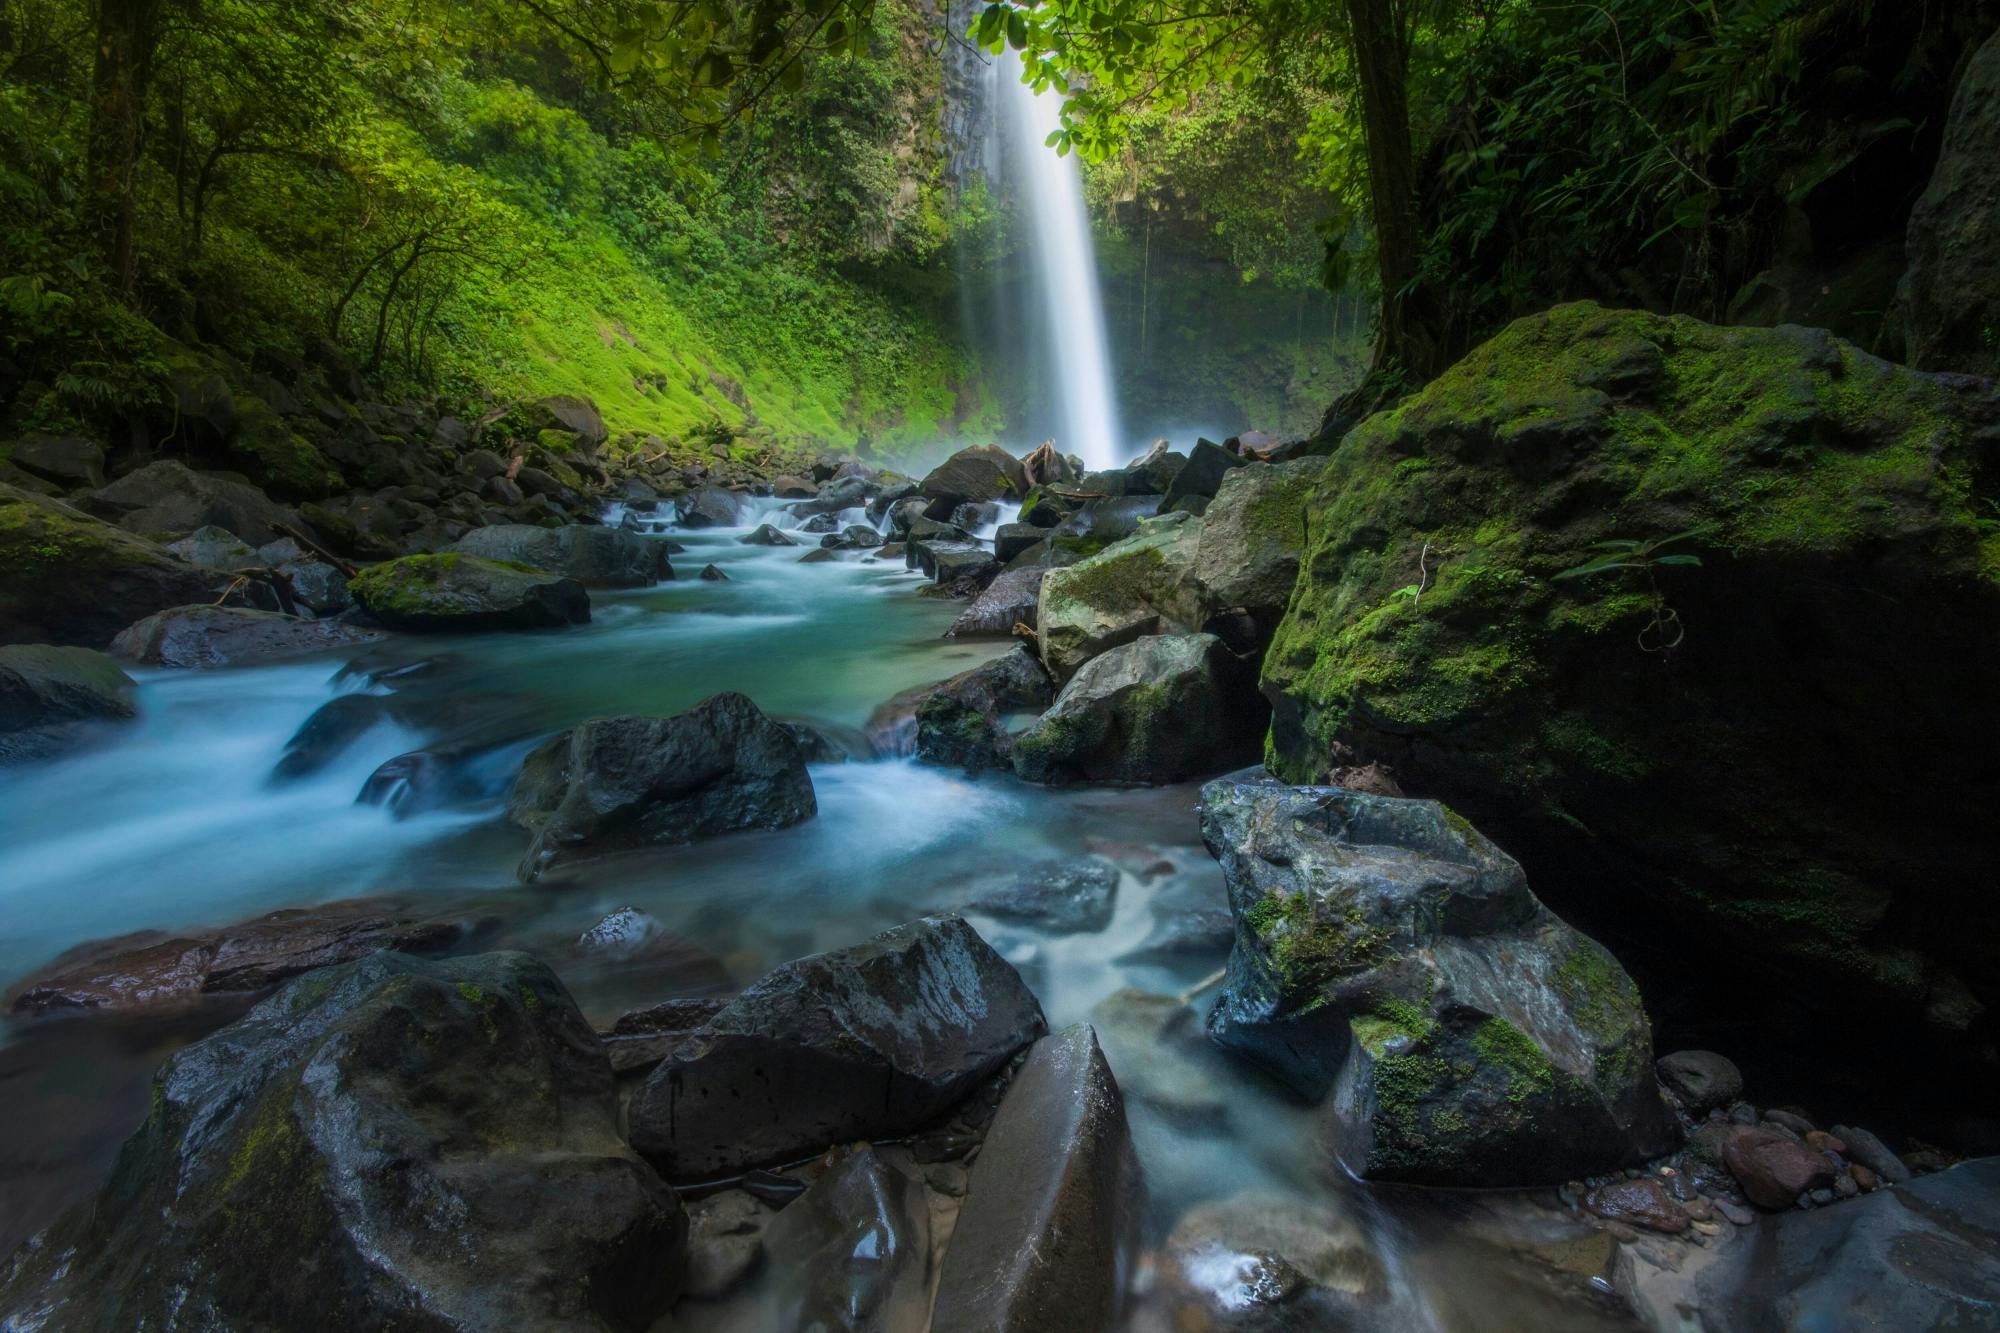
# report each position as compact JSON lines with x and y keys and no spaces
{"x":215,"y":548}
{"x":1950,"y":297}
{"x":710,"y":507}
{"x":1061,"y":897}
{"x":710,"y":574}
{"x":950,"y":562}
{"x":766,"y":535}
{"x":319,"y":588}
{"x":49,"y":696}
{"x":72,"y":579}
{"x":1207,"y":465}
{"x":962,"y":722}
{"x":328,"y":1157}
{"x":623,"y":783}
{"x":1008,"y":601}
{"x":593,"y":555}
{"x":1271,"y":1263}
{"x":453,"y":593}
{"x":934,"y":530}
{"x":1049,"y":1233}
{"x":168,"y":499}
{"x":725,"y":1243}
{"x":424,"y":780}
{"x":1388,"y":951}
{"x":853,"y":1252}
{"x":854,"y":537}
{"x":1013,"y":538}
{"x":223,"y":636}
{"x":331,"y":730}
{"x":70,"y":461}
{"x":1871,"y":1152}
{"x":981,"y":472}
{"x":869,"y":1041}
{"x":1700,"y":1080}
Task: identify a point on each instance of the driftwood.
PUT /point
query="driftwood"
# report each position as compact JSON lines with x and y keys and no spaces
{"x":281,"y":586}
{"x":347,"y":571}
{"x":1079,"y":495}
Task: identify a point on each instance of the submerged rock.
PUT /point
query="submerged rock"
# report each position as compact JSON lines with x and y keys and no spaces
{"x":1048,"y":1237}
{"x":853,"y":1252}
{"x":332,"y":1154}
{"x":1061,"y":896}
{"x":869,"y":1041}
{"x":463,"y":593}
{"x":622,"y":783}
{"x":49,"y":695}
{"x":1270,"y":1263}
{"x":223,"y":636}
{"x":595,"y":556}
{"x":1159,"y":709}
{"x":1385,"y":950}
{"x":71,"y":579}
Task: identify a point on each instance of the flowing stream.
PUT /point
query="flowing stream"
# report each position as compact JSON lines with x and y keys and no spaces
{"x":176,"y":822}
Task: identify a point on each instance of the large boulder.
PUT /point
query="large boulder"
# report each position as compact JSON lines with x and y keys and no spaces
{"x":389,"y":1143}
{"x":1010,"y":600}
{"x":854,"y":1251}
{"x":595,"y":556}
{"x":1385,"y":950}
{"x":1674,"y":749}
{"x":1048,"y":1237}
{"x":623,"y":783}
{"x":49,"y":695}
{"x":216,"y":548}
{"x":1159,"y":709}
{"x":962,"y":722}
{"x":1141,"y":585}
{"x":223,"y":636}
{"x":70,"y":579}
{"x":567,"y":414}
{"x":710,"y":507}
{"x":152,"y":968}
{"x":69,"y":461}
{"x":167,"y":499}
{"x":1949,"y":301}
{"x":865,"y":1042}
{"x":980,"y":472}
{"x":1251,"y":536}
{"x":1201,"y":480}
{"x":458,"y":593}
{"x":275,"y":456}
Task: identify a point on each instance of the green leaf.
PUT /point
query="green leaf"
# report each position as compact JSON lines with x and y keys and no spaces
{"x":1598,"y":567}
{"x":1017,"y":28}
{"x":1677,"y":560}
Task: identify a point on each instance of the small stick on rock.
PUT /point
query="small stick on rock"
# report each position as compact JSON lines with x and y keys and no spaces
{"x":347,"y":571}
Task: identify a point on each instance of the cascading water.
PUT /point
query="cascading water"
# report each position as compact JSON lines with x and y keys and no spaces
{"x":1065,"y":265}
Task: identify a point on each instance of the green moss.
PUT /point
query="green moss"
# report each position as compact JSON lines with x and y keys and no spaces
{"x":470,"y":993}
{"x":1504,"y":1047}
{"x":1312,"y":942}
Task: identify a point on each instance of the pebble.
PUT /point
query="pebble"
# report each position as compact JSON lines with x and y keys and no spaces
{"x":1863,"y":1177}
{"x":1845,"y":1186}
{"x":1699,"y":1209}
{"x":1798,"y":1124}
{"x":1735,"y":1212}
{"x":1823,"y":1197}
{"x":1822,"y":1141}
{"x":1743,"y":1113}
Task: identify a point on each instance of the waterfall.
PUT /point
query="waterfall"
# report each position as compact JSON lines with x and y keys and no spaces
{"x":1065,"y":271}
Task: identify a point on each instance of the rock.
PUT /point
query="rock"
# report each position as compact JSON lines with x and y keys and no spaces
{"x":1155,"y":1046}
{"x":1048,"y":1236}
{"x":1044,"y":466}
{"x":725,"y":1243}
{"x":1207,"y":466}
{"x":1183,"y":933}
{"x":1154,"y":472}
{"x":853,"y":537}
{"x":981,"y":472}
{"x":569,"y":414}
{"x":153,"y":968}
{"x":623,"y":783}
{"x":455,"y":593}
{"x":70,"y":461}
{"x":1251,"y":536}
{"x":372,"y":1117}
{"x":854,"y":1251}
{"x":223,"y":636}
{"x":1060,"y":897}
{"x":1700,"y":1080}
{"x":482,"y":464}
{"x":902,"y":514}
{"x":1013,"y":538}
{"x":1384,"y":948}
{"x":319,"y":588}
{"x":1868,"y":1151}
{"x":423,"y":780}
{"x":1008,"y":601}
{"x":1141,"y":585}
{"x":215,"y":548}
{"x":711,"y":574}
{"x":962,"y":722}
{"x":620,"y":934}
{"x":167,"y":499}
{"x":1774,"y":1168}
{"x":819,"y":555}
{"x":71,"y":579}
{"x":1268,"y":1263}
{"x":275,"y":456}
{"x":794,"y":488}
{"x":595,"y":556}
{"x":641,"y":1039}
{"x":1159,"y":709}
{"x":865,"y":1042}
{"x":950,"y":561}
{"x":710,"y":507}
{"x":973,"y":517}
{"x":1798,"y":1124}
{"x":1949,"y":300}
{"x":331,"y":730}
{"x":1642,"y":1203}
{"x":49,"y":695}
{"x":1837,"y":485}
{"x":766,"y":535}
{"x":503,"y":491}
{"x":369,"y":527}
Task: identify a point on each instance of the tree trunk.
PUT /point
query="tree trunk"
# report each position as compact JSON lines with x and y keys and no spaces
{"x":127,"y":32}
{"x":1382,"y":60}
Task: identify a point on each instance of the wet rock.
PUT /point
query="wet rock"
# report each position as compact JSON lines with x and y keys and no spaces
{"x":819,"y":555}
{"x":333,"y":727}
{"x":1159,"y":709}
{"x":1048,"y":1235}
{"x":71,"y":579}
{"x":867,"y":1041}
{"x":821,"y":743}
{"x":222,"y":636}
{"x":853,"y":1251}
{"x":215,"y":548}
{"x":1181,"y":933}
{"x":1949,"y":300}
{"x":962,"y":721}
{"x":641,"y":1039}
{"x":1774,"y":1168}
{"x":934,"y":530}
{"x":168,"y":498}
{"x":766,"y":535}
{"x":453,"y":593}
{"x":1251,"y":536}
{"x":853,"y":537}
{"x":620,"y":934}
{"x":372,"y":1117}
{"x":1864,"y":1148}
{"x":710,"y":507}
{"x":595,"y":556}
{"x":1642,"y":1203}
{"x":905,"y":513}
{"x":982,"y":472}
{"x":1386,"y":949}
{"x":69,"y":461}
{"x":152,"y":968}
{"x":1208,"y":465}
{"x":949,"y":561}
{"x":1155,"y":1046}
{"x":711,"y":574}
{"x":49,"y":696}
{"x":1700,"y":1080}
{"x":622,"y":783}
{"x":1154,"y":472}
{"x":319,"y":588}
{"x":435,"y":779}
{"x":1013,"y":538}
{"x":1139,"y":586}
{"x":794,"y":488}
{"x":1270,"y":1263}
{"x":973,"y":517}
{"x":1008,"y":601}
{"x":725,"y":1243}
{"x":1061,"y":897}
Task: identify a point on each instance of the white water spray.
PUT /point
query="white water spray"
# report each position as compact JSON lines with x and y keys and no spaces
{"x":1065,"y":263}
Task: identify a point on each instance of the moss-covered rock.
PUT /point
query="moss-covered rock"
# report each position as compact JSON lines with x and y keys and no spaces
{"x":49,"y":695}
{"x":1769,"y":755}
{"x":454,"y":592}
{"x":278,"y":458}
{"x":1388,"y":951}
{"x":67,"y":578}
{"x":1141,"y":585}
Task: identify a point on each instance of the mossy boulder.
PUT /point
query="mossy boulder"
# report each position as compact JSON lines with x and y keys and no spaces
{"x":1387,"y":951}
{"x":1141,"y":585}
{"x":275,"y":456}
{"x":1767,"y":760}
{"x":206,"y":636}
{"x":978,"y":473}
{"x":389,"y":1143}
{"x":597,"y":557}
{"x":1252,"y":534}
{"x":169,"y":499}
{"x":67,"y":578}
{"x":48,"y":695}
{"x":453,"y":592}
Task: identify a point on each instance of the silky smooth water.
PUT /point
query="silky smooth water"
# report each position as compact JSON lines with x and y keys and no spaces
{"x":173,"y":822}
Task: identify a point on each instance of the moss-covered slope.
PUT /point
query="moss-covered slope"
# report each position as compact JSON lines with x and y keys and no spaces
{"x":1789,"y":782}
